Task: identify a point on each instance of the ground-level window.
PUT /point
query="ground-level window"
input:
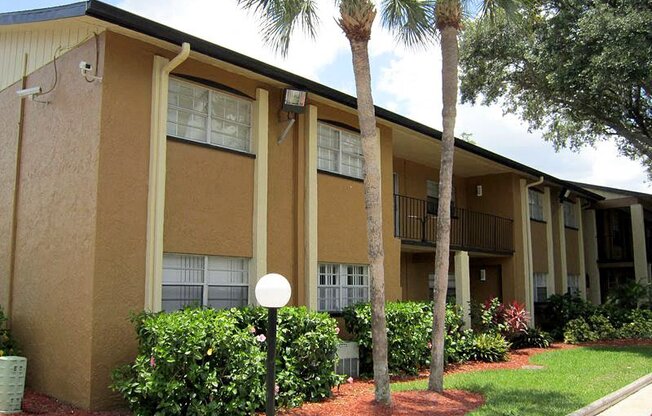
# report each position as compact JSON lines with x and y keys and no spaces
{"x":574,"y":284}
{"x":192,"y":280}
{"x":450,"y":292}
{"x":341,"y":285}
{"x":540,"y":287}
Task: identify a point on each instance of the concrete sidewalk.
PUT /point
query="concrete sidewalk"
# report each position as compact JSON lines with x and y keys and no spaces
{"x":638,"y":404}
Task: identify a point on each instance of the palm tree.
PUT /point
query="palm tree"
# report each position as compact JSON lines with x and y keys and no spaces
{"x":409,"y":19}
{"x":448,"y":19}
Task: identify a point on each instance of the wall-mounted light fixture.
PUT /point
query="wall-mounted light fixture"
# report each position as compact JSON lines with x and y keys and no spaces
{"x":483,"y":275}
{"x":294,"y":101}
{"x":564,"y":194}
{"x":478,"y":190}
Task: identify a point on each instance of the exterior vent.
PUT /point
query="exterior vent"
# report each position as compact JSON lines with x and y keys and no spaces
{"x":349,"y":359}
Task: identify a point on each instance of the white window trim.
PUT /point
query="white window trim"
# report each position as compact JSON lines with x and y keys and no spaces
{"x":212,"y":91}
{"x":341,"y":276}
{"x":205,"y":285}
{"x":575,"y":277}
{"x":534,"y":284}
{"x":340,"y":151}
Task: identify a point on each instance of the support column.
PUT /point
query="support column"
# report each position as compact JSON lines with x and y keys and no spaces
{"x":260,"y":139}
{"x":547,"y":214}
{"x":562,"y":250}
{"x":638,"y":243}
{"x":528,"y":278}
{"x":590,"y":232}
{"x":311,"y":265}
{"x":580,"y":243}
{"x":463,"y":285}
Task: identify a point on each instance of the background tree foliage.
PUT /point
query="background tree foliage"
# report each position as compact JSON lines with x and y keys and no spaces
{"x":580,"y":70}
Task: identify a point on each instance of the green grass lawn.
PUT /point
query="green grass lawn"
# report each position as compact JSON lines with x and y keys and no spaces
{"x":571,"y":379}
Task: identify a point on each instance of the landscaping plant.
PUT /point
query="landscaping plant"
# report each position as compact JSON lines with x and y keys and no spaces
{"x":531,"y":338}
{"x":490,"y":348}
{"x":212,"y":362}
{"x":8,"y":345}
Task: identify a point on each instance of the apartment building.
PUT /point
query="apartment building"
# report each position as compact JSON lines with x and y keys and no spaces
{"x":165,"y":171}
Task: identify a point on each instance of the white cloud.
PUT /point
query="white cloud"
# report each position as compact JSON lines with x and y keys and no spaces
{"x":408,"y":83}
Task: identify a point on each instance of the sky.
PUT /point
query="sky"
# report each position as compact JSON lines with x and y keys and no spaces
{"x":407,"y":82}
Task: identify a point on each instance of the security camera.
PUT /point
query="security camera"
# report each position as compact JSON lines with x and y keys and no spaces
{"x":29,"y":92}
{"x":87,"y":72}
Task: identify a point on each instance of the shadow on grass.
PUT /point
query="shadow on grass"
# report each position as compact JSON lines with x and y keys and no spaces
{"x":523,"y":401}
{"x":644,"y":350}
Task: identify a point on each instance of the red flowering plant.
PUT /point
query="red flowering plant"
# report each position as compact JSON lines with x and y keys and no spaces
{"x":506,"y":319}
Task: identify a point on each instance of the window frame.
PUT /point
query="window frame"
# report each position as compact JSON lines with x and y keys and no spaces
{"x":432,"y":202}
{"x":205,"y":285}
{"x":212,"y":91}
{"x":537,"y":202}
{"x":536,"y":287}
{"x":572,"y":210}
{"x":340,"y":151}
{"x":451,"y":288}
{"x":341,"y":286}
{"x":571,"y":289}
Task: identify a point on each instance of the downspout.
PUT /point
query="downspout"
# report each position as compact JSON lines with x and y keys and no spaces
{"x":530,"y":277}
{"x":14,"y":217}
{"x":157,"y":172}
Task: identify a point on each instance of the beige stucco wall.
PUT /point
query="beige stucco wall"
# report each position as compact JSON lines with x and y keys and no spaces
{"x":539,"y":247}
{"x":413,"y":177}
{"x":497,"y":194}
{"x":55,"y":253}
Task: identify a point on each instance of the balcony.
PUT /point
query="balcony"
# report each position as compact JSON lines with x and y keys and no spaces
{"x":415,"y":221}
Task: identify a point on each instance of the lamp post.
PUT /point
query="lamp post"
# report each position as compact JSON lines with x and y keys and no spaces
{"x":273,"y":291}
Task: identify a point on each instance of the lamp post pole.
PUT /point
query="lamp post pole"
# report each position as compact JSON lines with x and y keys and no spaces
{"x":271,"y":361}
{"x":273,"y":291}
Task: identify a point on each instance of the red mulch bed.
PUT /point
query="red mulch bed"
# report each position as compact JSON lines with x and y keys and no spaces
{"x":357,"y":398}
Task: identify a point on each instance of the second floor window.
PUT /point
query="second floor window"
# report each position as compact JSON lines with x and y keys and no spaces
{"x":340,"y":151}
{"x":208,"y":116}
{"x":536,"y":205}
{"x":432,"y":192}
{"x":341,"y":285}
{"x":570,"y":215}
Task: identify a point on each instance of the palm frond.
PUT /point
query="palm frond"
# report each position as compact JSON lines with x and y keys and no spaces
{"x":412,"y":21}
{"x":280,"y":19}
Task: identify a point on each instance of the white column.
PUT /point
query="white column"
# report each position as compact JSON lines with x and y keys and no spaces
{"x":156,"y":188}
{"x":547,"y":214}
{"x":562,"y":249}
{"x":260,"y":138}
{"x":463,"y":285}
{"x":528,"y":277}
{"x":638,"y":243}
{"x":310,"y":206}
{"x":580,"y":243}
{"x":590,"y":233}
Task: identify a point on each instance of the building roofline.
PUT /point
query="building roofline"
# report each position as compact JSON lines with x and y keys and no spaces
{"x":614,"y":190}
{"x":123,"y":18}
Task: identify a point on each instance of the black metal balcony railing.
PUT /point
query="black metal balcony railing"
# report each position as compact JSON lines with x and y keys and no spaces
{"x":470,"y":230}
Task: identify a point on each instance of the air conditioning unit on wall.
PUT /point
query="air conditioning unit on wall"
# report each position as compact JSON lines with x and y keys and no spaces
{"x":349,"y":359}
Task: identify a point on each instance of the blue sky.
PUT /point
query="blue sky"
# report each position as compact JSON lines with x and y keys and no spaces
{"x":406,"y":82}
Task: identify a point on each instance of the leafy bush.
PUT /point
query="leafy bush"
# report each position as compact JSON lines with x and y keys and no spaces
{"x":409,"y":325}
{"x":560,"y":310}
{"x":458,"y":342}
{"x":639,"y":325}
{"x":530,"y":338}
{"x":578,"y":330}
{"x":489,"y":347}
{"x":212,"y":362}
{"x":602,"y":327}
{"x":8,"y":345}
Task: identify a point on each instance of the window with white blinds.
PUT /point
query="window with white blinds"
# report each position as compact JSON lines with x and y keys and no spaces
{"x":570,"y":215}
{"x":339,"y":151}
{"x":574,"y":284}
{"x":540,"y":287}
{"x":536,"y":205}
{"x":217,"y":282}
{"x":209,"y":116}
{"x":450,"y":292}
{"x":341,"y":285}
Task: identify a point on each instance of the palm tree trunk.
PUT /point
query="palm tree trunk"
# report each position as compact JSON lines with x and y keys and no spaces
{"x":449,"y":54}
{"x":373,"y":207}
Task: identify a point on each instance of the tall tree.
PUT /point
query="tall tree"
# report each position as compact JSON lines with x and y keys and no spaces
{"x":448,"y":19}
{"x":409,"y":19}
{"x":579,"y":70}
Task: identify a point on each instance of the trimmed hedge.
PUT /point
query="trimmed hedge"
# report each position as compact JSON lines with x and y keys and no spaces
{"x":212,"y":362}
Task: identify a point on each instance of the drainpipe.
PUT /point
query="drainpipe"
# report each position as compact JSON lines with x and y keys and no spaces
{"x":14,"y":217}
{"x":529,"y":288}
{"x":157,"y":170}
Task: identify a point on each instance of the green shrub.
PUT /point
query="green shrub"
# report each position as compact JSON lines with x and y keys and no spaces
{"x":560,"y":310}
{"x":639,"y":325}
{"x":8,"y":345}
{"x":212,"y":362}
{"x":602,"y":327}
{"x":489,"y":347}
{"x":458,"y":342}
{"x":409,"y":325}
{"x":530,"y":338}
{"x":578,"y":330}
